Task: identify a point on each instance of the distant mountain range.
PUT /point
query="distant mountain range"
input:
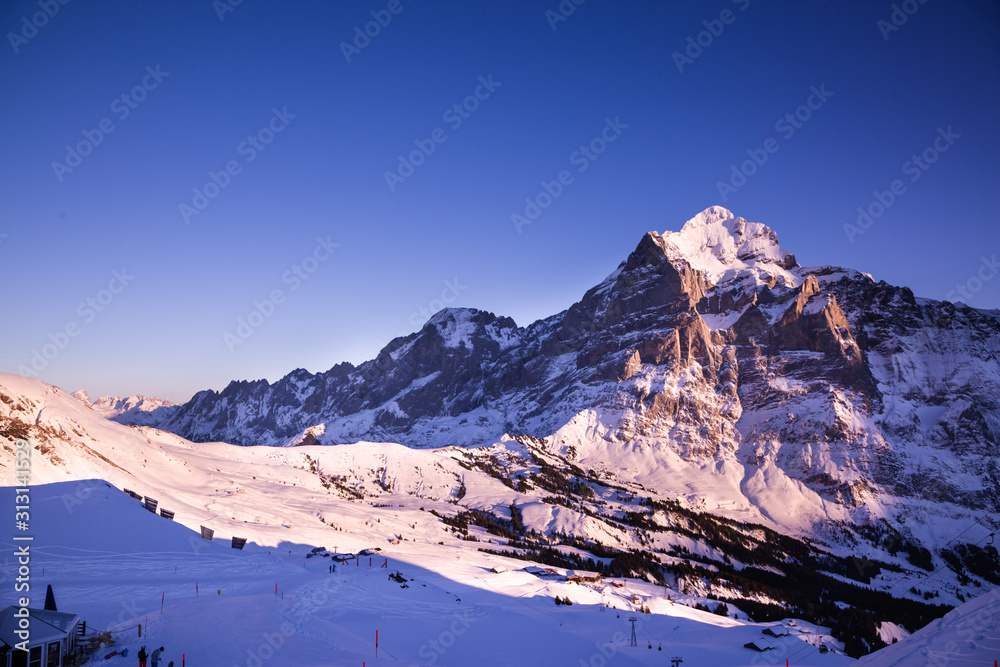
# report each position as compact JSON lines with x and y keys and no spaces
{"x":135,"y":410}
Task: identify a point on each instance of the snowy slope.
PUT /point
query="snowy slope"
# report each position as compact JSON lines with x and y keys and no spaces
{"x":110,"y":560}
{"x":968,"y":636}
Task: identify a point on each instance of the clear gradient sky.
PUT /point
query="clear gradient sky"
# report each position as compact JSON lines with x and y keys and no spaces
{"x":213,"y":83}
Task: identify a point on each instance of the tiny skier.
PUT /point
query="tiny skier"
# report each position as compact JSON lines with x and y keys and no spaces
{"x":142,"y":657}
{"x":156,"y":657}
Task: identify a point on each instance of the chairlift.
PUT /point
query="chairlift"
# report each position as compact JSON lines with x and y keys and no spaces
{"x":991,"y":550}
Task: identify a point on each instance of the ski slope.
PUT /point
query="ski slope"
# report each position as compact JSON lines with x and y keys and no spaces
{"x":110,"y":560}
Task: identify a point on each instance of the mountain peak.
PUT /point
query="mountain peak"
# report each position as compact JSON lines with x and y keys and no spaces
{"x":83,"y":396}
{"x":458,"y":326}
{"x":725,"y":247}
{"x":136,"y":409}
{"x":709,"y":216}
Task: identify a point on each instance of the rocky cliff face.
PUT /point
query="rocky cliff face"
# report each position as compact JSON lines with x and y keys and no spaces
{"x":814,"y":394}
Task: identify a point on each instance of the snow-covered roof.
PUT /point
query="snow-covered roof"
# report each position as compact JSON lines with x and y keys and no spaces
{"x":759,"y":645}
{"x":45,"y":626}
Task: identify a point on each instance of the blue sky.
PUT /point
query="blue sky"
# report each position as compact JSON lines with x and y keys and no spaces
{"x":356,"y":261}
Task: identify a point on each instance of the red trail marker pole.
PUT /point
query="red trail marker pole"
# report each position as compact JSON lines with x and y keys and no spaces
{"x":376,"y":643}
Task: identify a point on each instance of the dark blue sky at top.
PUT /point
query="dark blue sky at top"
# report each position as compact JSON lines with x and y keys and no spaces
{"x":447,"y":228}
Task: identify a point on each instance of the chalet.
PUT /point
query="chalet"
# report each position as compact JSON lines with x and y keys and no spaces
{"x":498,"y":569}
{"x":52,"y":639}
{"x":543,"y":572}
{"x":580,"y":576}
{"x":776,"y":631}
{"x":759,"y":645}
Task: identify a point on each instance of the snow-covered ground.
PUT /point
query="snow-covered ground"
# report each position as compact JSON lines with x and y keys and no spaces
{"x":967,"y":636}
{"x":110,"y":560}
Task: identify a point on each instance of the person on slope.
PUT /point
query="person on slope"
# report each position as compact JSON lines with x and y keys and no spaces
{"x":156,"y":657}
{"x":142,"y":657}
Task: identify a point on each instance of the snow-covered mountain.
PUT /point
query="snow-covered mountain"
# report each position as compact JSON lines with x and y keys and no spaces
{"x":712,"y":416}
{"x":725,"y":372}
{"x":135,"y":410}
